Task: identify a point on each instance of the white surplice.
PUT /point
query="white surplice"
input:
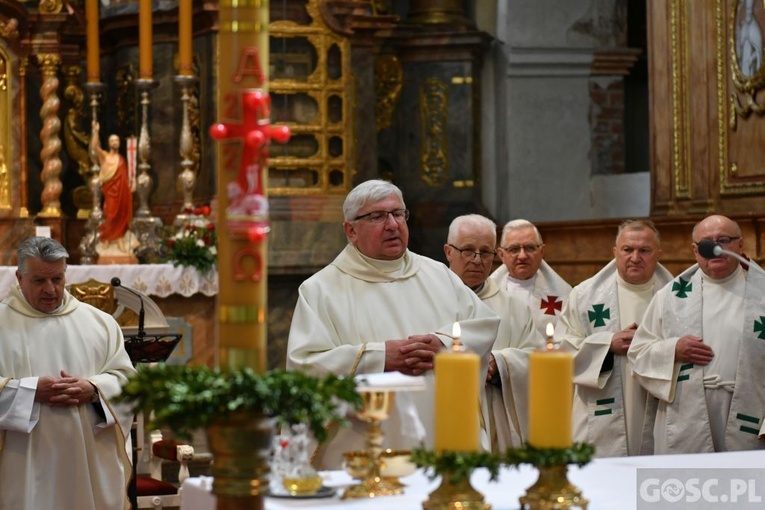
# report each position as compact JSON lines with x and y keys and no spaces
{"x":610,"y":409}
{"x":546,"y":293}
{"x":62,"y":457}
{"x":505,"y":409}
{"x":720,"y":406}
{"x":347,"y":311}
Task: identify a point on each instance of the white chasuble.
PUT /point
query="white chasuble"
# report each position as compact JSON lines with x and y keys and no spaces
{"x":505,"y":406}
{"x":547,"y":295}
{"x":62,"y":457}
{"x":610,"y":410}
{"x":347,"y":311}
{"x":721,"y":406}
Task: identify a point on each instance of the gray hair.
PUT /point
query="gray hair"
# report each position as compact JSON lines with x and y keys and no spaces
{"x":638,"y":225}
{"x":475,"y":220}
{"x":369,"y":192}
{"x":517,"y":225}
{"x":735,"y":224}
{"x":39,"y":247}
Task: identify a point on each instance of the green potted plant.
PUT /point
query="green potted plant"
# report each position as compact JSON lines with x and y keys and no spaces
{"x":238,"y":409}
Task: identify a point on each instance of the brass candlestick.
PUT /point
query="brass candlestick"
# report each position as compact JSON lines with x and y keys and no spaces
{"x":145,"y":226}
{"x":187,"y":179}
{"x":553,"y":491}
{"x":89,"y":242}
{"x":377,"y":407}
{"x":455,"y":494}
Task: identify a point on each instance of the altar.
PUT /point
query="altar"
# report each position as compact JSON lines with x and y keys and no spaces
{"x":181,"y":292}
{"x":621,"y":482}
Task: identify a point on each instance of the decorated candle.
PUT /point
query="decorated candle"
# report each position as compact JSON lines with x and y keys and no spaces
{"x":91,"y":36}
{"x":185,"y":64}
{"x":551,"y":380}
{"x":145,"y":50}
{"x":457,"y":373}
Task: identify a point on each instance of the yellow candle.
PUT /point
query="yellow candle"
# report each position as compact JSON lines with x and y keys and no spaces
{"x":456,"y":409}
{"x":185,"y":64}
{"x":551,"y":379}
{"x":91,"y":35}
{"x":145,"y":50}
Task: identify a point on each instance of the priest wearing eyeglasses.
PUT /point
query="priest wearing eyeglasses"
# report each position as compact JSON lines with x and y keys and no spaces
{"x":470,"y":252}
{"x":525,"y":274}
{"x":379,"y":307}
{"x":701,"y":350}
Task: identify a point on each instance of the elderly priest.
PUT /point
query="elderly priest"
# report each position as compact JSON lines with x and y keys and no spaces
{"x":379,"y":307}
{"x":63,"y":444}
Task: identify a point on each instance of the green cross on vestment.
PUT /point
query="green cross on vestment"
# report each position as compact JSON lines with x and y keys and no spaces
{"x":597,"y":315}
{"x":760,"y":326}
{"x":682,"y":288}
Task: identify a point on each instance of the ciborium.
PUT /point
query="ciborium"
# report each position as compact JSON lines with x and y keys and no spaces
{"x":377,"y":408}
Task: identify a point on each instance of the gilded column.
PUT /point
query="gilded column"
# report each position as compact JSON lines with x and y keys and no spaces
{"x":242,"y":242}
{"x":51,"y":143}
{"x":24,"y":202}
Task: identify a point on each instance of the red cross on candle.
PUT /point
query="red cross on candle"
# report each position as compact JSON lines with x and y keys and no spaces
{"x":551,"y":304}
{"x":247,"y":211}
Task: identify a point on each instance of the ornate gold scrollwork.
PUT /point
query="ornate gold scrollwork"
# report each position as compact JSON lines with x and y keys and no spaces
{"x":9,"y":29}
{"x":389,"y":76}
{"x":746,"y":60}
{"x":434,"y":115}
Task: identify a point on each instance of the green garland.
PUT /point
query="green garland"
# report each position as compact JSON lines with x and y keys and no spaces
{"x":460,"y":464}
{"x":578,"y":453}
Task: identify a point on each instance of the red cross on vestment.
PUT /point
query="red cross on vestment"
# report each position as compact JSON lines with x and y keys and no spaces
{"x":551,"y":304}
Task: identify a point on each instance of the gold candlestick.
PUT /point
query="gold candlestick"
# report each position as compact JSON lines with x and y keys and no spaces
{"x":455,"y":494}
{"x":377,"y":407}
{"x":187,"y":179}
{"x":553,"y":491}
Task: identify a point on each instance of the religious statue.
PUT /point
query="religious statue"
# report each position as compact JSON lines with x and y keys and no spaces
{"x":116,"y":241}
{"x":749,"y":42}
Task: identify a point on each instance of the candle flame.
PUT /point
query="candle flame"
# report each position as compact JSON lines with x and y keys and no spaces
{"x":550,"y":330}
{"x":456,"y":331}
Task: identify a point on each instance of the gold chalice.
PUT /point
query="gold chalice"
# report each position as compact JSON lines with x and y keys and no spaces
{"x":377,"y":407}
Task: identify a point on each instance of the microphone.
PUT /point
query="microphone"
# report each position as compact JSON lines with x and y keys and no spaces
{"x":712,"y":250}
{"x":116,"y":282}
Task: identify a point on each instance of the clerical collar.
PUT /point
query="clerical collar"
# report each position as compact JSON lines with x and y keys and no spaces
{"x":728,"y":278}
{"x":641,"y":287}
{"x":523,"y":284}
{"x":385,"y":266}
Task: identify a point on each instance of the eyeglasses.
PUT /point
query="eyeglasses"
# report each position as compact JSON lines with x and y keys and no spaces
{"x":724,"y":240}
{"x":377,"y":217}
{"x":515,"y":249}
{"x":468,"y":254}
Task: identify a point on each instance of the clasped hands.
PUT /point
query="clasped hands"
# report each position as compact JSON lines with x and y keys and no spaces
{"x":412,"y":355}
{"x":64,"y":391}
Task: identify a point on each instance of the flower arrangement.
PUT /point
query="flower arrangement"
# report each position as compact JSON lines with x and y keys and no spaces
{"x":194,"y":244}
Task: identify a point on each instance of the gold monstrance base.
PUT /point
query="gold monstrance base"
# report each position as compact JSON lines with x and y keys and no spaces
{"x":553,"y":491}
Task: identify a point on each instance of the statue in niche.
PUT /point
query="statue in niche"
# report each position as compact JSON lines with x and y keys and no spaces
{"x":749,"y":41}
{"x":116,"y":241}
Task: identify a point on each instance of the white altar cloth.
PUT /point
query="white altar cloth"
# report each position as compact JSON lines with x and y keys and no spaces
{"x":159,"y":280}
{"x":608,"y":483}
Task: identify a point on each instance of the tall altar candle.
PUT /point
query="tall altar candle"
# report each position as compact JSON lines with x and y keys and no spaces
{"x":457,"y":373}
{"x":91,"y":36}
{"x":551,"y":382}
{"x":145,"y":45}
{"x":185,"y":63}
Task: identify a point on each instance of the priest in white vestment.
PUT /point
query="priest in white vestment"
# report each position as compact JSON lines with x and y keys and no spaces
{"x":63,"y":442}
{"x":525,"y":274}
{"x":611,"y":410}
{"x":379,"y":307}
{"x":700,"y":349}
{"x":470,"y":250}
